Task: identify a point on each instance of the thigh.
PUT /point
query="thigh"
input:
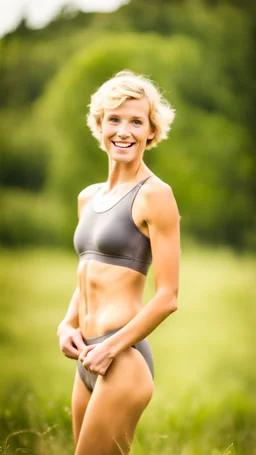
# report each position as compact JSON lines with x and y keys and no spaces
{"x":117,"y":402}
{"x":80,"y":399}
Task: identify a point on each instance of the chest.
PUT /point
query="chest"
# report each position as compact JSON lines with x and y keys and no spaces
{"x":112,"y":231}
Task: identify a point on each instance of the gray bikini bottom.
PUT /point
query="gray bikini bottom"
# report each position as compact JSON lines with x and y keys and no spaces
{"x":89,"y":379}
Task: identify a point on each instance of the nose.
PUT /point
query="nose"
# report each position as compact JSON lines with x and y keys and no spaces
{"x":122,"y":131}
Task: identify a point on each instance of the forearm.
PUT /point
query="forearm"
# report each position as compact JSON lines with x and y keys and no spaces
{"x":70,"y":337}
{"x":72,"y":316}
{"x":156,"y":311}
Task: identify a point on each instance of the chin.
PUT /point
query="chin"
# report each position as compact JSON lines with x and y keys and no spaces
{"x":121,"y":159}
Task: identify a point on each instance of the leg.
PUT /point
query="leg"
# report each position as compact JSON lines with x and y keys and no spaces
{"x":117,"y":402}
{"x":80,"y":399}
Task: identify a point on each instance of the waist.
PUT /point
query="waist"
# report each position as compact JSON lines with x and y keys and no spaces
{"x":100,"y":338}
{"x":105,"y":320}
{"x":109,"y":296}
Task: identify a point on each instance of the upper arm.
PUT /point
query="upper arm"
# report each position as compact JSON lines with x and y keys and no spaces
{"x":163,"y":221}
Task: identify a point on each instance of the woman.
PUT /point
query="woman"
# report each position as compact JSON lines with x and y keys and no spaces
{"x":124,"y":223}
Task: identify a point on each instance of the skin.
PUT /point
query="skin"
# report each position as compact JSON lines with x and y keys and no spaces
{"x":108,"y":296}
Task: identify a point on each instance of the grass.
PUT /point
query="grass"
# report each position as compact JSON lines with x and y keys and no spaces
{"x":205,"y":384}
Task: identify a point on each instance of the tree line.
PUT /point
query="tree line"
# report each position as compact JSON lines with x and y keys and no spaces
{"x":199,"y":53}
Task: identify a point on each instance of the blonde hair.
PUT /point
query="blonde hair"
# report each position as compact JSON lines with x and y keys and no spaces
{"x":128,"y":85}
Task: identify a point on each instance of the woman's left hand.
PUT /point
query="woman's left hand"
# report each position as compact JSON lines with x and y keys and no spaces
{"x":96,"y":358}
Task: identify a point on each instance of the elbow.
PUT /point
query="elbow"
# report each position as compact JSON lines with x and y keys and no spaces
{"x":168,"y":300}
{"x":171,"y":302}
{"x":173,"y":306}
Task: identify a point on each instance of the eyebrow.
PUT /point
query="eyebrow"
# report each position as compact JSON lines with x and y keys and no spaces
{"x":113,"y":114}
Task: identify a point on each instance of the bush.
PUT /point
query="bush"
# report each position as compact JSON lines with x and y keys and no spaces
{"x":207,"y":159}
{"x":24,"y":159}
{"x":28,"y":218}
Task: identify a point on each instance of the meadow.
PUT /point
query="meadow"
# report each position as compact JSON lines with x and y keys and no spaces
{"x":205,"y":376}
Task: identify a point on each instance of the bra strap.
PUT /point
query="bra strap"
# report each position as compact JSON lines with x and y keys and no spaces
{"x":143,"y":181}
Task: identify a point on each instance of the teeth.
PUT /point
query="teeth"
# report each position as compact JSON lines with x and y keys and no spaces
{"x":122,"y":145}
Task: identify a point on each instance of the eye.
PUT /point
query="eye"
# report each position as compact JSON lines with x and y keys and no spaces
{"x":113,"y":119}
{"x":137,"y":122}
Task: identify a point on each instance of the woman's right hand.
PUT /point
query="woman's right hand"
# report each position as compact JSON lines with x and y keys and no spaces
{"x":71,"y":341}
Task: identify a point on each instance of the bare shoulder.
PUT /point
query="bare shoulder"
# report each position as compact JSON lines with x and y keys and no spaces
{"x":159,"y":200}
{"x":86,"y":194}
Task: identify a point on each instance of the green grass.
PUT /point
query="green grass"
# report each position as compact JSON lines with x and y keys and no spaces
{"x":205,"y":383}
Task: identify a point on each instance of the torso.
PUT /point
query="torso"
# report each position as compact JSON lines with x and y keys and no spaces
{"x":110,"y":295}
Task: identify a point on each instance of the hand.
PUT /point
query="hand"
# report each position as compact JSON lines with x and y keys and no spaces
{"x":71,"y":341}
{"x":96,"y":358}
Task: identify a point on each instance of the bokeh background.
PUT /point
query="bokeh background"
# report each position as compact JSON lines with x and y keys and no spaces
{"x":200,"y":53}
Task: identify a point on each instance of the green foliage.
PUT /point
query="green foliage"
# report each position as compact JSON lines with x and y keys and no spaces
{"x":200,"y":53}
{"x":23,"y":160}
{"x":31,"y":425}
{"x":23,"y":73}
{"x":204,"y":399}
{"x":28,"y":218}
{"x":208,"y":154}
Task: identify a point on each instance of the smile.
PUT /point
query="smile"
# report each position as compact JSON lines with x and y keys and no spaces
{"x":123,"y":145}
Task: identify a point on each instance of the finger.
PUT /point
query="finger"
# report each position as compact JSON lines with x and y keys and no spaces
{"x":85,"y":351}
{"x":87,"y":365}
{"x":70,"y":351}
{"x":95,"y":370}
{"x":78,"y":341}
{"x":104,"y":368}
{"x":71,"y":356}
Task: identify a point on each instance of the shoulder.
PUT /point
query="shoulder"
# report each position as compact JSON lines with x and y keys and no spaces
{"x":86,"y":194}
{"x":158,"y":193}
{"x":159,"y":201}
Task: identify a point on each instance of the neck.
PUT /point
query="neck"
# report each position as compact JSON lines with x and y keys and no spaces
{"x":119,"y":173}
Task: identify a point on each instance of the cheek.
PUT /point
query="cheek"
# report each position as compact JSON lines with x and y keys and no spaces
{"x":143,"y":138}
{"x":107,"y":132}
{"x":104,"y":138}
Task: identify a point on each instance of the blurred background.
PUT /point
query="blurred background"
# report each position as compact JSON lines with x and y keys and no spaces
{"x":200,"y":53}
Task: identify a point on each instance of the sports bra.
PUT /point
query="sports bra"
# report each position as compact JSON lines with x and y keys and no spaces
{"x":111,"y":236}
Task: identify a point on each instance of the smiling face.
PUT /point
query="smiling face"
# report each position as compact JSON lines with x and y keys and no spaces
{"x":126,"y":129}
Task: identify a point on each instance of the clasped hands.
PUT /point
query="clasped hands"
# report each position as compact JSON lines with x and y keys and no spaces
{"x":95,"y":358}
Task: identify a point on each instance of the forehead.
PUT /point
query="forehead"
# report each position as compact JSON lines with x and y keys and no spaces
{"x":131,"y":107}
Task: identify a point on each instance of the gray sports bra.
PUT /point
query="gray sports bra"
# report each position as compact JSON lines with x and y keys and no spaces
{"x":112,"y":237}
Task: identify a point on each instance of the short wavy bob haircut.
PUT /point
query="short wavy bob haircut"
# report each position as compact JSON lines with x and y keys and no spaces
{"x":127,"y":85}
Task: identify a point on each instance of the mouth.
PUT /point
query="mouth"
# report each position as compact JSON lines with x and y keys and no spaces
{"x":123,"y":145}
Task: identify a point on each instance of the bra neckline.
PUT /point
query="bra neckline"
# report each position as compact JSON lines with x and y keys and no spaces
{"x":119,"y":200}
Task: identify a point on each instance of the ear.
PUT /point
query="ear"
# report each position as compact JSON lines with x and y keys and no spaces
{"x":99,"y":127}
{"x":152,"y":134}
